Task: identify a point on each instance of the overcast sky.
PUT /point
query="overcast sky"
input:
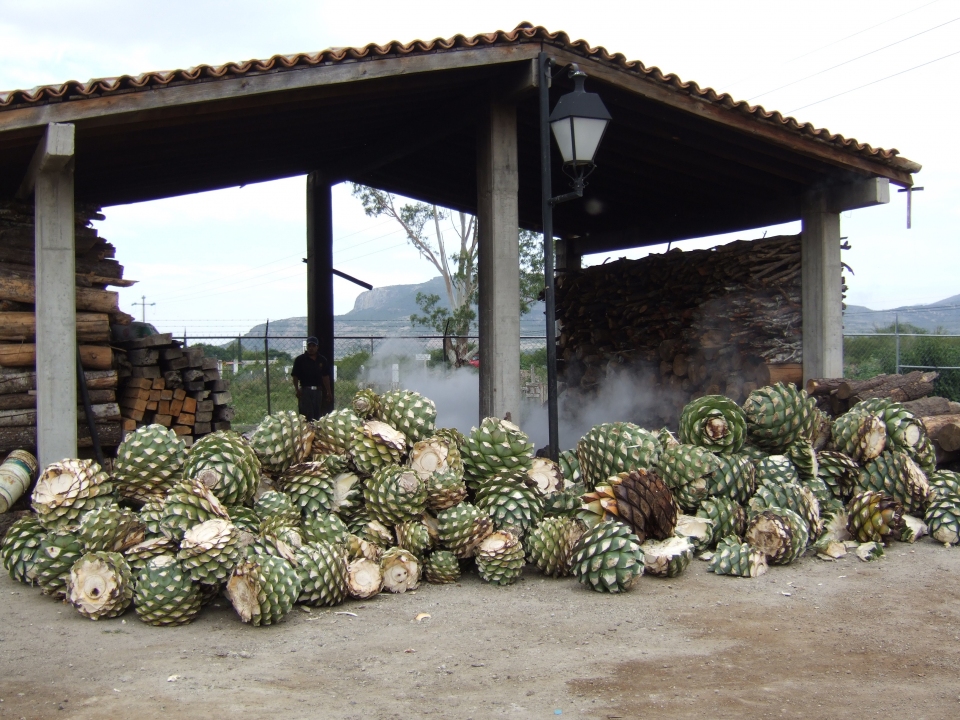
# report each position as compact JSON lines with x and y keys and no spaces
{"x":222,"y":261}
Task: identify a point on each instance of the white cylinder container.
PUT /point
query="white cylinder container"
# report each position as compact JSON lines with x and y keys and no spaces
{"x":16,"y":474}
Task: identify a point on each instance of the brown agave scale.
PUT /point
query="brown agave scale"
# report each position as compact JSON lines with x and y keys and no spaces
{"x":645,"y":503}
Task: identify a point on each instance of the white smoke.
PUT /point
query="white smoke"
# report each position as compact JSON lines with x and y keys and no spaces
{"x":621,"y":397}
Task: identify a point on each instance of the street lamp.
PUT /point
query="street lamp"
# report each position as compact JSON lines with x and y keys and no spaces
{"x":578,"y":123}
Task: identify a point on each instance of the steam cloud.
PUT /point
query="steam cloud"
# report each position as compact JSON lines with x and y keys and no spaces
{"x":621,"y":397}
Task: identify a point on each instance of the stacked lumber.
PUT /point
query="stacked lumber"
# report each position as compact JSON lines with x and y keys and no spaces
{"x":97,"y":310}
{"x":165,"y":383}
{"x":18,"y":409}
{"x":718,"y":321}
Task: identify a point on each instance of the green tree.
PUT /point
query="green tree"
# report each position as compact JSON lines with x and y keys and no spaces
{"x":448,"y":240}
{"x":531,"y":269}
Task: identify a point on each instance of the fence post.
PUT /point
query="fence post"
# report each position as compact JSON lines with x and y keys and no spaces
{"x":239,"y":362}
{"x":266,"y":362}
{"x":896,"y":331}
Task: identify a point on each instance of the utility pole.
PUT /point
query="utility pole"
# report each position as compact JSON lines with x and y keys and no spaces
{"x":143,"y":305}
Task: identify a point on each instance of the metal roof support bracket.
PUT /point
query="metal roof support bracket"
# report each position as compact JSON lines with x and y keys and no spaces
{"x":50,"y":180}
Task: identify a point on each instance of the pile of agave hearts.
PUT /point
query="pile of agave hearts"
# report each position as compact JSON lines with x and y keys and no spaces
{"x":376,"y":498}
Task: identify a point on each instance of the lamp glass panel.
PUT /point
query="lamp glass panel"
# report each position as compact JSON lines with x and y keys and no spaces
{"x":588,"y":132}
{"x":563,"y":134}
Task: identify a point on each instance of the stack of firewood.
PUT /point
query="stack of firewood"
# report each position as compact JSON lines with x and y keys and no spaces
{"x":940,"y":416}
{"x":165,"y":383}
{"x":97,"y":310}
{"x":837,"y":395}
{"x":719,"y":321}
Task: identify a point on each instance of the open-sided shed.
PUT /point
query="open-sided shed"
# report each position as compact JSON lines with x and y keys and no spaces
{"x":453,"y":122}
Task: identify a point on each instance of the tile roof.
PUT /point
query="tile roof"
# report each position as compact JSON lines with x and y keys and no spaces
{"x":523,"y":33}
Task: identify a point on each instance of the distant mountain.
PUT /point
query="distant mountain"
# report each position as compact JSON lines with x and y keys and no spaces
{"x":943,"y":315}
{"x":393,"y":302}
{"x":386,"y":311}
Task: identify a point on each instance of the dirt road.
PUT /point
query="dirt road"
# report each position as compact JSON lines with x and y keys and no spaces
{"x":813,"y":640}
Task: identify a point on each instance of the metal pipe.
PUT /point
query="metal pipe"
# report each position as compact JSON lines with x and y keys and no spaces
{"x":266,"y":362}
{"x":896,"y":328}
{"x":546,"y":209}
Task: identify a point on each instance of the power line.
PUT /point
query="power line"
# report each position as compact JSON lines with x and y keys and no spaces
{"x":230,"y":285}
{"x":836,"y":42}
{"x":239,"y":281}
{"x":847,"y":62}
{"x":860,"y":32}
{"x":365,"y":242}
{"x":375,"y":252}
{"x":860,"y":87}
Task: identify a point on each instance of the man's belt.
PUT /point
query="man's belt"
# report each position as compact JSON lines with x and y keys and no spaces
{"x":311,"y":387}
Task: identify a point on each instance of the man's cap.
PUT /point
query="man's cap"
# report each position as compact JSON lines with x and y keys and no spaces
{"x":312,"y":341}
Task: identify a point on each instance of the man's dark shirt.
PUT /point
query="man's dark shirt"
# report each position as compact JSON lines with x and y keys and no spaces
{"x":309,"y":372}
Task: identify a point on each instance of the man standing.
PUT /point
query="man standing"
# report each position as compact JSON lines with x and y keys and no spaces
{"x":311,"y":380}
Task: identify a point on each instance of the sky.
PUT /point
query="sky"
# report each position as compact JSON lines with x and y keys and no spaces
{"x":219,"y":262}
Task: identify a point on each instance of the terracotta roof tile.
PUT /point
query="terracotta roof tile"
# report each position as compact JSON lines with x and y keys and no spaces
{"x":523,"y":33}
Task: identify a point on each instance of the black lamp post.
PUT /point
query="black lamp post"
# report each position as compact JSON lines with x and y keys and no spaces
{"x":578,"y":123}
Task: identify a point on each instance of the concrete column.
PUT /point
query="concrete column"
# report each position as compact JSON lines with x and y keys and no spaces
{"x":320,"y":264}
{"x":822,"y":294}
{"x":498,"y":262}
{"x":51,"y":174}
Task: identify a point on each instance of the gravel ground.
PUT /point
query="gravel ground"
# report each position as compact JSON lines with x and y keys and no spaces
{"x":813,"y":640}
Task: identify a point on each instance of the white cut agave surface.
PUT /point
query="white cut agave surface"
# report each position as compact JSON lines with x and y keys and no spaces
{"x":546,"y":475}
{"x":400,"y":570}
{"x":667,"y":558}
{"x":914,"y":529}
{"x":699,"y":530}
{"x":364,"y":579}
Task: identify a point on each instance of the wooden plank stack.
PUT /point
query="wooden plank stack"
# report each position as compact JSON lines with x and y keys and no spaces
{"x":718,"y":321}
{"x":165,"y":383}
{"x":18,"y":414}
{"x":97,"y":310}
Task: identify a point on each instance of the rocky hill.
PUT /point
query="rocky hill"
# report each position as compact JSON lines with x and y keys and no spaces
{"x":942,"y":316}
{"x":387,"y":311}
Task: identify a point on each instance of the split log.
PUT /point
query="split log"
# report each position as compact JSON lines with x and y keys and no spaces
{"x":92,"y":357}
{"x":13,"y":438}
{"x":848,"y":388}
{"x":945,"y":429}
{"x":786,"y":373}
{"x":25,"y":381}
{"x":823,"y":386}
{"x":901,"y":388}
{"x":22,"y":327}
{"x":17,"y":418}
{"x":19,"y":286}
{"x":934,"y":405}
{"x":28,"y":401}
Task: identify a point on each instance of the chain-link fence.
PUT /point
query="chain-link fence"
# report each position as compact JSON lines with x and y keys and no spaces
{"x":903,"y":341}
{"x":258,"y":368}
